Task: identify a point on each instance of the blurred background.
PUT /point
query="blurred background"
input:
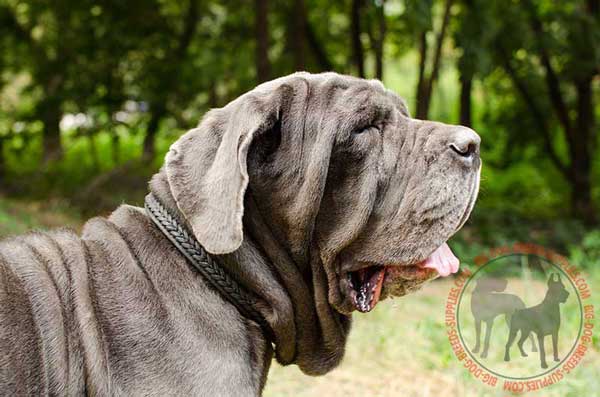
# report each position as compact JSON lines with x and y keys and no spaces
{"x":93,"y":92}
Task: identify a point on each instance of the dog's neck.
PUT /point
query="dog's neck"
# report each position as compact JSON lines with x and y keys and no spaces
{"x":310,"y":336}
{"x":551,"y":300}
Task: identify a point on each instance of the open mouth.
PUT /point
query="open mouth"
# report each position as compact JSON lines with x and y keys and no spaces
{"x":366,"y":284}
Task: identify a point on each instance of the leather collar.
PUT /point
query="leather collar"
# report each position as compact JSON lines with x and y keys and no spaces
{"x":206,"y":265}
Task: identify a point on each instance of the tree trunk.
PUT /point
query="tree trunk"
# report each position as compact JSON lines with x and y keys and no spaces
{"x":149,"y":147}
{"x":297,"y":40}
{"x":466,"y":85}
{"x":422,"y":78}
{"x":263,"y":67}
{"x":379,"y":42}
{"x":430,"y":81}
{"x":51,"y":115}
{"x":115,"y":148}
{"x":50,"y":112}
{"x":2,"y":164}
{"x":158,"y":106}
{"x":579,"y":135}
{"x":355,"y":32}
{"x":581,"y":154}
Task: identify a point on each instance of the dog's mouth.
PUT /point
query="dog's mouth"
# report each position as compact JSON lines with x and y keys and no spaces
{"x":365,"y":286}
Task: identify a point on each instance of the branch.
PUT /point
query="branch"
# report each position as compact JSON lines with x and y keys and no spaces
{"x":376,"y":40}
{"x":191,"y":21}
{"x":427,"y":87}
{"x":298,"y":33}
{"x":552,"y":80}
{"x":440,"y":42}
{"x":535,"y":111}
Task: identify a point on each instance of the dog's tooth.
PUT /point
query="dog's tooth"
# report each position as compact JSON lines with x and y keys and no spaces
{"x":362,"y":298}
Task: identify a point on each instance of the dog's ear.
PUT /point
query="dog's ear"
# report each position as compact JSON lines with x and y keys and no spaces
{"x":554,"y":279}
{"x":206,"y":168}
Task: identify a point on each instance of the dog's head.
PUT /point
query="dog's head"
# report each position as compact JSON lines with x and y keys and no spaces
{"x":556,"y":289}
{"x":335,"y":166}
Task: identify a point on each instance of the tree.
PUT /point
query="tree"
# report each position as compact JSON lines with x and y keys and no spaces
{"x":297,"y":32}
{"x":358,"y":56}
{"x":568,"y":57}
{"x":263,"y":67}
{"x":475,"y":41}
{"x":47,"y":56}
{"x":420,"y":15}
{"x":378,"y":39}
{"x":167,"y":69}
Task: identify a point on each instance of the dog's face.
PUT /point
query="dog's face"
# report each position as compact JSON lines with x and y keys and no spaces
{"x":337,"y":169}
{"x":556,"y":289}
{"x":397,"y":189}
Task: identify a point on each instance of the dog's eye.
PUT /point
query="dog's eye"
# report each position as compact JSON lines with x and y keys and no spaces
{"x":369,"y":128}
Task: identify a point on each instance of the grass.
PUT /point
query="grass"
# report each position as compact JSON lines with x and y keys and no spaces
{"x":17,"y":217}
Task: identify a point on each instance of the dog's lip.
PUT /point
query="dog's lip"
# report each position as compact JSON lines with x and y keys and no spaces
{"x":428,"y":261}
{"x":441,"y":262}
{"x":411,"y":273}
{"x":392,"y":276}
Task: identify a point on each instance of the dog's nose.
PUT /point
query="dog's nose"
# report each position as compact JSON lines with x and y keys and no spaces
{"x":465,"y":142}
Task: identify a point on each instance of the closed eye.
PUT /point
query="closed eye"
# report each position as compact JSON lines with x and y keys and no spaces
{"x":369,"y":128}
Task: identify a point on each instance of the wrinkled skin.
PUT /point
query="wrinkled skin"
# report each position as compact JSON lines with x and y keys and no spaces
{"x":290,"y":187}
{"x":394,"y":189}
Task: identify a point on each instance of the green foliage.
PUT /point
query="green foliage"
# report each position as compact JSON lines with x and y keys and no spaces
{"x":587,"y":253}
{"x":115,"y":73}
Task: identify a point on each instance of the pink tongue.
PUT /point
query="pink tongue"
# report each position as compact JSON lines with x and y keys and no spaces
{"x":442,"y":260}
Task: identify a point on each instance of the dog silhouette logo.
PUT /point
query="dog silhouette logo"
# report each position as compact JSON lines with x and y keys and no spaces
{"x":542,"y":320}
{"x":530,"y":300}
{"x":489,"y":301}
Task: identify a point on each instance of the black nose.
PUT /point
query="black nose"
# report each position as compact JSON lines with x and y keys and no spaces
{"x":464,"y":142}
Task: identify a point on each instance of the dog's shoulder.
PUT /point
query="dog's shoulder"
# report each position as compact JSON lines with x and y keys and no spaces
{"x":39,"y":246}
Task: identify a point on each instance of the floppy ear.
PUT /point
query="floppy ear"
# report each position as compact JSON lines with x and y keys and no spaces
{"x":206,"y":168}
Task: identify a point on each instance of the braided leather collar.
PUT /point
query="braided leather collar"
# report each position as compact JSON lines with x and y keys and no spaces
{"x":204,"y":263}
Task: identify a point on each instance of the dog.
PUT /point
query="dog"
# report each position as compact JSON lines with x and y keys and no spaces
{"x":543,"y":320}
{"x":316,"y":193}
{"x":488,"y":302}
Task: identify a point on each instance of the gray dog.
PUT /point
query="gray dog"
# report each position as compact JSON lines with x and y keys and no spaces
{"x":318,"y":194}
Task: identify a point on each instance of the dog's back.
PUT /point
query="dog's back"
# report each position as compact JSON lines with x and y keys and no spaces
{"x":36,"y":309}
{"x":116,"y":311}
{"x":488,"y":300}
